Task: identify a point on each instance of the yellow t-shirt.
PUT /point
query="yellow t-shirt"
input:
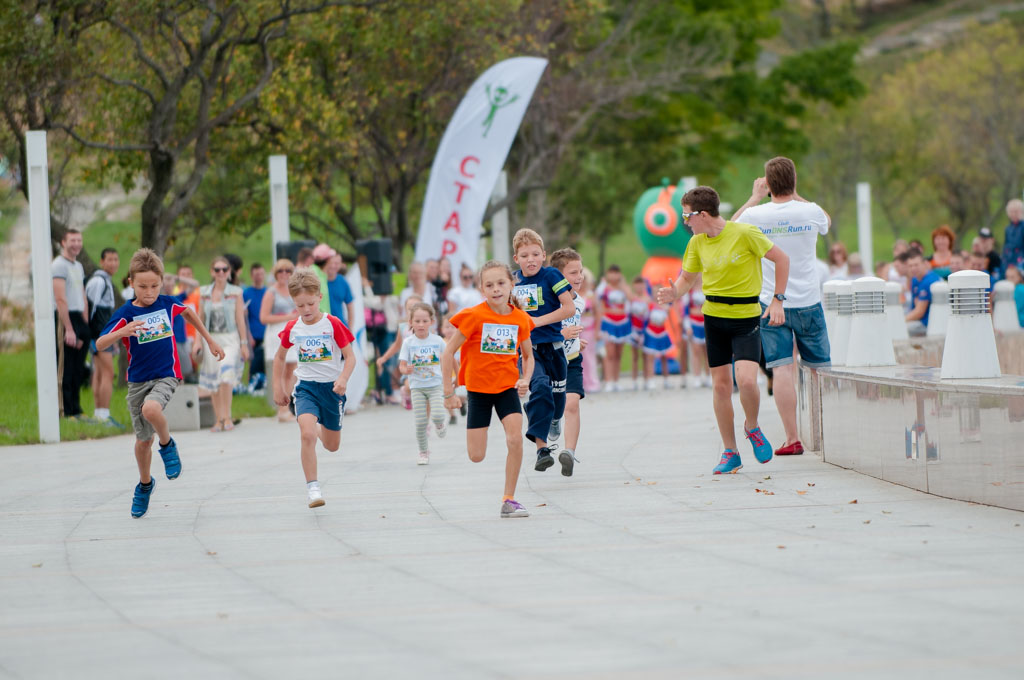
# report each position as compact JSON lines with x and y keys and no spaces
{"x":731,"y":267}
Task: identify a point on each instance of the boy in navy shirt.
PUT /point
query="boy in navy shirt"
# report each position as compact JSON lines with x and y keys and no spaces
{"x":544,"y":294}
{"x":145,"y":328}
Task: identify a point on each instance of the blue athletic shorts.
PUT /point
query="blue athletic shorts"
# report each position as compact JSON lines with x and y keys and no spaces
{"x":319,"y":399}
{"x":574,"y":377}
{"x":807,"y":326}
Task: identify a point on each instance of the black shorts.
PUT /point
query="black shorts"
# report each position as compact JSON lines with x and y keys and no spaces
{"x":732,"y":339}
{"x":574,"y":377}
{"x":480,"y":404}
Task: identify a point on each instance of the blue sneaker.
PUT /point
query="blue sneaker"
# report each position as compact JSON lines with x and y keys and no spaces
{"x":762,"y":449}
{"x":140,"y":501}
{"x":729,"y":464}
{"x":172,"y":464}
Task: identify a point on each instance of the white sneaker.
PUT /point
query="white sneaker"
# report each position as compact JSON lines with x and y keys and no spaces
{"x":652,"y":384}
{"x":610,"y":387}
{"x":442,"y":429}
{"x":424,"y":458}
{"x":705,"y":381}
{"x":316,"y":499}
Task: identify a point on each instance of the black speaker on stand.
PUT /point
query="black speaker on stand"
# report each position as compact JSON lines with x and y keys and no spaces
{"x":290,"y":249}
{"x":375,"y":262}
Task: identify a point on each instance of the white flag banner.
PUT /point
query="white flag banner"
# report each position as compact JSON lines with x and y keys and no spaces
{"x":470,"y":157}
{"x":359,"y":381}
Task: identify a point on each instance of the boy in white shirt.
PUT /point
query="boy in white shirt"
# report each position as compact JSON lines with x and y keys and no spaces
{"x":326,"y":360}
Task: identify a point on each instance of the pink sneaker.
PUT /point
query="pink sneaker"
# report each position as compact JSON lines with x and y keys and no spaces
{"x":424,"y":458}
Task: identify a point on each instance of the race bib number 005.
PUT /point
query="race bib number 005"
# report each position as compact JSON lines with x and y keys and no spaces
{"x":157,"y":327}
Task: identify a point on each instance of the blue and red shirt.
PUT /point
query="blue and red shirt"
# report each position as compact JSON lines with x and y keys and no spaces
{"x":152,"y":354}
{"x":538,"y":296}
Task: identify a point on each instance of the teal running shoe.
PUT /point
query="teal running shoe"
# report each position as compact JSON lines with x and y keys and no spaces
{"x":729,"y":464}
{"x":762,"y":449}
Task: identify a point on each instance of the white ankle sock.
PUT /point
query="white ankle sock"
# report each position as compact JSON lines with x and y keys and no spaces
{"x":102,"y":413}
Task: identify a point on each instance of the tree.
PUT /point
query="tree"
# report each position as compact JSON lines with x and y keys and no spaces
{"x":168,"y":78}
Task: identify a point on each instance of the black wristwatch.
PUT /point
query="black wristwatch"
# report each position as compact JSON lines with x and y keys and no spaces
{"x":780,"y":297}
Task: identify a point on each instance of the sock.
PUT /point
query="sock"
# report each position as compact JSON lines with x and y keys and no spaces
{"x":313,"y":485}
{"x":572,"y":452}
{"x":507,"y":498}
{"x":102,"y":413}
{"x":147,"y":487}
{"x":164,"y":445}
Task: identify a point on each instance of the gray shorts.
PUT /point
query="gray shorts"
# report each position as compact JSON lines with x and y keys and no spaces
{"x":160,"y":390}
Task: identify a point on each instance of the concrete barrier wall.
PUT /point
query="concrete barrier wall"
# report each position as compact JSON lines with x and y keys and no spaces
{"x":958,"y":439}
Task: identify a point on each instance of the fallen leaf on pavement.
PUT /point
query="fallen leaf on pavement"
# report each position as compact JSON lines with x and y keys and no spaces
{"x":810,"y":484}
{"x":541,"y":505}
{"x":853,"y":502}
{"x":867,"y":521}
{"x":781,"y":547}
{"x":886,"y":512}
{"x":801,"y":492}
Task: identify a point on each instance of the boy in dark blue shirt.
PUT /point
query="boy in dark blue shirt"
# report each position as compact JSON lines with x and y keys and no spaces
{"x":145,"y":328}
{"x":544,"y":294}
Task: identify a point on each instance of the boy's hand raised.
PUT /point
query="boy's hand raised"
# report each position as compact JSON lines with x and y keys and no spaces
{"x":131,"y":328}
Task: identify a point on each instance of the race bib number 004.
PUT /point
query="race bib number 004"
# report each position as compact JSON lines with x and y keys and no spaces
{"x":157,"y":327}
{"x":498,"y":338}
{"x":529,"y":297}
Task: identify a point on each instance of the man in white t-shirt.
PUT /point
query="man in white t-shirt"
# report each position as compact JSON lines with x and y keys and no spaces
{"x":793,"y":224}
{"x":466,"y":294}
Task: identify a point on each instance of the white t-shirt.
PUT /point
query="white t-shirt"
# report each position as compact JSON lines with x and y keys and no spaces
{"x":461,"y":297}
{"x":74,"y":282}
{"x":428,"y":295}
{"x":794,"y":227}
{"x":319,"y":347}
{"x":424,"y":356}
{"x":572,"y":347}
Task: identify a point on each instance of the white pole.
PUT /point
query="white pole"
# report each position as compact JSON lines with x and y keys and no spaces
{"x":279,"y":228}
{"x":500,"y":243}
{"x":42,"y":287}
{"x":864,"y":227}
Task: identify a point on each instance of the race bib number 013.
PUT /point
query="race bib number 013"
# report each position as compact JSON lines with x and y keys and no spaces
{"x":313,"y":348}
{"x":157,"y":327}
{"x":498,"y":338}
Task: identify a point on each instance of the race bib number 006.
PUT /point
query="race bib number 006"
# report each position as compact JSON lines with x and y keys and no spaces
{"x":313,"y":348}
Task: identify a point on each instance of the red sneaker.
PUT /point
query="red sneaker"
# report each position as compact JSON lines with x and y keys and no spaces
{"x":794,"y":449}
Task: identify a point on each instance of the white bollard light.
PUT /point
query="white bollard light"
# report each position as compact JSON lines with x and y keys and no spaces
{"x":830,"y":305}
{"x":938,"y":310}
{"x":894,"y":314}
{"x":970,"y":350}
{"x":1004,"y":308}
{"x":844,"y":315}
{"x":870,"y":341}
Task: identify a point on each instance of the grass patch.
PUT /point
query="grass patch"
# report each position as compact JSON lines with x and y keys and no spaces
{"x":19,"y":412}
{"x":10,"y":207}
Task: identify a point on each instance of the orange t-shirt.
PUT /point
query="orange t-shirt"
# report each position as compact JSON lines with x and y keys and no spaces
{"x":192,"y":301}
{"x":490,"y":352}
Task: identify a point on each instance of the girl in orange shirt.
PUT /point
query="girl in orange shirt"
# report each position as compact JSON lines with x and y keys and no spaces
{"x":491,"y":336}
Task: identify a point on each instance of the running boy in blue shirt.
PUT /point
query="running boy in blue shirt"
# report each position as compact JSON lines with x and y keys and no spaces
{"x":544,"y":294}
{"x":145,"y":328}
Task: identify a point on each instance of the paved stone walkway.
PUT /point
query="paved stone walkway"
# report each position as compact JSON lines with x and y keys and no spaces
{"x":643,"y":565}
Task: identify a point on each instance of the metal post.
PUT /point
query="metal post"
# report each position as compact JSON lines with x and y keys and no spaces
{"x":864,"y":227}
{"x":279,"y":231}
{"x":42,"y":287}
{"x":500,"y":243}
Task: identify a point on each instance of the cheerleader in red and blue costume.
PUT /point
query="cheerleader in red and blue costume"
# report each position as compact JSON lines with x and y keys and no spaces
{"x":657,"y":343}
{"x":695,"y":318}
{"x":639,"y":309}
{"x":613,"y":310}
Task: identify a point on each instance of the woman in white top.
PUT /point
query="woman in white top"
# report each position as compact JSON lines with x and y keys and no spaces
{"x":418,"y":285}
{"x":465,"y":293}
{"x":277,"y":309}
{"x":222,"y":309}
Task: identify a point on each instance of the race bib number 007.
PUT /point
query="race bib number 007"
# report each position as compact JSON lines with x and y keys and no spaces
{"x":498,"y":338}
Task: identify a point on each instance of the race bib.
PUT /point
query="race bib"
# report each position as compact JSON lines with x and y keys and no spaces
{"x":529,"y":297}
{"x":498,"y":338}
{"x":313,"y":348}
{"x":425,"y":360}
{"x":158,"y":327}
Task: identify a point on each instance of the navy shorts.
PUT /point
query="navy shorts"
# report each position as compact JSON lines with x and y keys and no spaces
{"x":479,"y":405}
{"x":574,"y":377}
{"x":807,"y":325}
{"x":319,"y":399}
